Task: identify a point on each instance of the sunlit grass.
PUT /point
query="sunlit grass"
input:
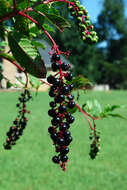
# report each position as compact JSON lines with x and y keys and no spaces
{"x":28,"y":165}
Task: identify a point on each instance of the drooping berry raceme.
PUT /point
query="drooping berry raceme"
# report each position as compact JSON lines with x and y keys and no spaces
{"x":19,"y":124}
{"x":95,"y":145}
{"x":61,"y":120}
{"x":81,"y":16}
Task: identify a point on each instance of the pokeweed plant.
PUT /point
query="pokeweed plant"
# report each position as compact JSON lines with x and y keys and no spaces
{"x":22,"y":23}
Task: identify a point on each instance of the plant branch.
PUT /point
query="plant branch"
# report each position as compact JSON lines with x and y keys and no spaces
{"x":13,"y":62}
{"x":15,"y":5}
{"x":39,"y":26}
{"x":86,"y":115}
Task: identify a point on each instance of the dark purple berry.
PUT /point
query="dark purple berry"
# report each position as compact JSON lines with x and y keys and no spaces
{"x":60,"y":141}
{"x":62,"y":108}
{"x":70,"y":119}
{"x":52,"y":93}
{"x":55,"y":121}
{"x":70,"y":97}
{"x":64,"y":66}
{"x":65,"y":150}
{"x":55,"y":159}
{"x":63,"y":126}
{"x":55,"y":66}
{"x":65,"y":89}
{"x":71,"y":104}
{"x":67,"y":134}
{"x":64,"y":158}
{"x":69,"y":76}
{"x":51,"y":130}
{"x":52,"y":104}
{"x":51,"y":79}
{"x":52,"y":113}
{"x":55,"y":57}
{"x":54,"y":136}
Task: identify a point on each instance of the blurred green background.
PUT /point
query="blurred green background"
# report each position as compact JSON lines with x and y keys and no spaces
{"x":28,"y":165}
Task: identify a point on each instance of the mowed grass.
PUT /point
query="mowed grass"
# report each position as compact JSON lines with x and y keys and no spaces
{"x":28,"y":165}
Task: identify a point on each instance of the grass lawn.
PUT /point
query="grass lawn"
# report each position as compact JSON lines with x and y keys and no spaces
{"x":28,"y":165}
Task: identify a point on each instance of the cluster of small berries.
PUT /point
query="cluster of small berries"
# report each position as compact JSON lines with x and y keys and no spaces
{"x":61,"y":117}
{"x":19,"y":124}
{"x":95,"y":145}
{"x":86,"y":28}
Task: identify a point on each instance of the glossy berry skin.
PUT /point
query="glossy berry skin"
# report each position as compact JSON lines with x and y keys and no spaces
{"x":64,"y":66}
{"x":60,"y":141}
{"x":63,"y":127}
{"x":70,"y":119}
{"x":52,"y":93}
{"x":70,"y":97}
{"x":55,"y":159}
{"x":69,"y":76}
{"x":65,"y":89}
{"x":52,"y":113}
{"x":51,"y":79}
{"x":71,"y":104}
{"x":64,"y":158}
{"x":54,"y":136}
{"x":62,"y":108}
{"x":55,"y":66}
{"x":67,"y":134}
{"x":52,"y":104}
{"x":55,"y":121}
{"x":57,"y":82}
{"x":71,"y":86}
{"x":64,"y":151}
{"x":60,"y":98}
{"x":55,"y":57}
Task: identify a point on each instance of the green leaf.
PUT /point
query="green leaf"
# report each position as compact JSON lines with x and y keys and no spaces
{"x":56,"y":20}
{"x":34,"y":82}
{"x":27,"y":55}
{"x":116,"y":115}
{"x":38,"y":44}
{"x":9,"y":84}
{"x":2,"y":31}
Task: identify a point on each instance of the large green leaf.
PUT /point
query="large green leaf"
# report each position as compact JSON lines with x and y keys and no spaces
{"x":27,"y":55}
{"x":56,"y":20}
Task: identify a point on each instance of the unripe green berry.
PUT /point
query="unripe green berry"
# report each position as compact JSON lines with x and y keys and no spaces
{"x":79,"y":19}
{"x":80,"y":13}
{"x":87,"y":23}
{"x":81,"y":8}
{"x":70,"y":8}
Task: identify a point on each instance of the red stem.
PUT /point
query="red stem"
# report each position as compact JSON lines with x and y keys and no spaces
{"x":15,"y":5}
{"x":39,"y":26}
{"x":13,"y":62}
{"x":71,"y":3}
{"x":85,"y":115}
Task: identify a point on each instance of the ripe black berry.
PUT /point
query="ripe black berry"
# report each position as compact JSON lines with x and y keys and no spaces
{"x":52,"y":104}
{"x":55,"y":121}
{"x":64,"y":158}
{"x":69,"y":76}
{"x":52,"y":113}
{"x":55,"y":159}
{"x":62,"y":108}
{"x":71,"y":104}
{"x":51,"y":79}
{"x":64,"y":66}
{"x":51,"y":130}
{"x":70,"y":119}
{"x":60,"y":141}
{"x":55,"y":66}
{"x":65,"y":150}
{"x":55,"y":57}
{"x":63,"y":126}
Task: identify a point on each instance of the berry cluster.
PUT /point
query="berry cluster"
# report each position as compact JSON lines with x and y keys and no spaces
{"x":86,"y":28}
{"x":95,"y":145}
{"x":19,"y":124}
{"x":61,"y":117}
